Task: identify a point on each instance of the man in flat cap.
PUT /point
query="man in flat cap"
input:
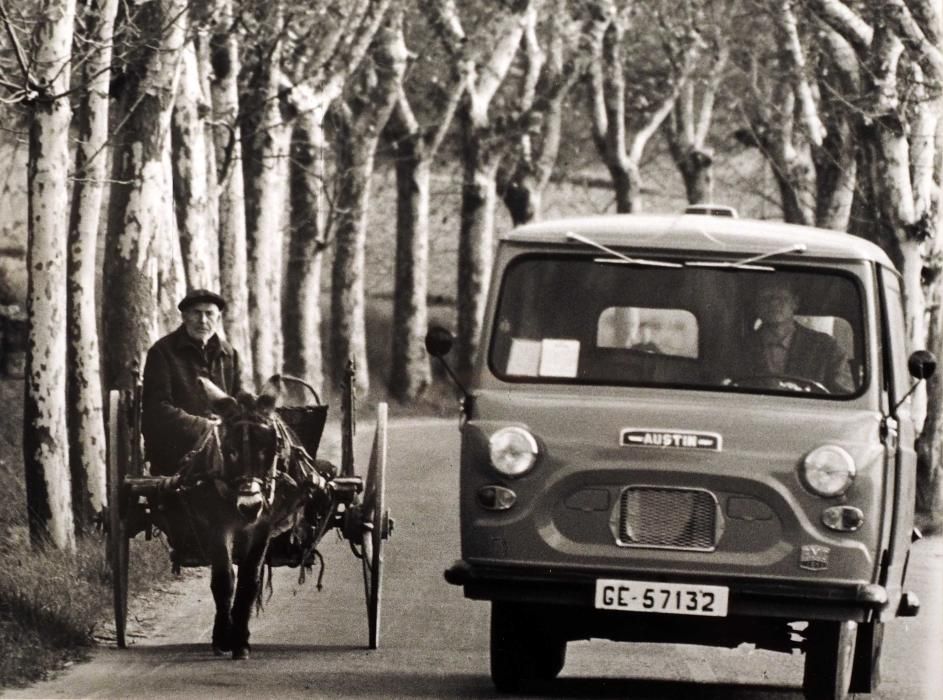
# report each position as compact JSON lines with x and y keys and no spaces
{"x":176,"y":411}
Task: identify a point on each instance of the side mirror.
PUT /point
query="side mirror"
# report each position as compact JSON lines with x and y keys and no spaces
{"x":922,"y":364}
{"x":439,"y":341}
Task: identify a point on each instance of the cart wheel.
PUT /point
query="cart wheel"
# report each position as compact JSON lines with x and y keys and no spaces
{"x":829,"y":654}
{"x":375,"y":522}
{"x":117,"y":524}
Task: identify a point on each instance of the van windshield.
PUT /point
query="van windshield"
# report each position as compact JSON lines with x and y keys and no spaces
{"x":575,"y":320}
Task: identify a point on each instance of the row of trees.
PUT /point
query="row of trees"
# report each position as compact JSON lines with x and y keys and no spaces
{"x":231,"y":144}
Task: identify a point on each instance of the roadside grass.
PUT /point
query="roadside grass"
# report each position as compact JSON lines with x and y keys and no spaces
{"x":52,"y":603}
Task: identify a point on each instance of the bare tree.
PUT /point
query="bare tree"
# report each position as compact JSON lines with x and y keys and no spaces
{"x":360,"y":120}
{"x":687,"y":129}
{"x":142,"y":252}
{"x":548,"y":76}
{"x":415,"y":145}
{"x":482,"y":150}
{"x":194,"y":175}
{"x":266,"y":142}
{"x":622,"y":154}
{"x":44,"y":88}
{"x":86,"y":427}
{"x":323,"y":56}
{"x":233,"y":262}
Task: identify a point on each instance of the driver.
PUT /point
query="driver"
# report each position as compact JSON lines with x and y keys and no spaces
{"x":175,"y":410}
{"x":781,"y":347}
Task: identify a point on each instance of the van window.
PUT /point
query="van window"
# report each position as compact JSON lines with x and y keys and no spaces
{"x":664,"y":331}
{"x":574,"y":319}
{"x":896,"y":328}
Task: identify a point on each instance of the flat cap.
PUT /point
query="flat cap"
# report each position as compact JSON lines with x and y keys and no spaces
{"x":201,"y":296}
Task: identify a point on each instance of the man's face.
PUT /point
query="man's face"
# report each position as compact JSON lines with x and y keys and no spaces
{"x":201,"y":321}
{"x":776,"y":305}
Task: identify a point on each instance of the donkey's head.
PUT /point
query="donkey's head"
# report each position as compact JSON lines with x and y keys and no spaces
{"x":250,"y":444}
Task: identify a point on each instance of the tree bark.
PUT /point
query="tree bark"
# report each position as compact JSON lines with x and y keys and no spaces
{"x":302,"y":309}
{"x":198,"y":239}
{"x":45,"y":438}
{"x":267,"y":151}
{"x":233,"y":256}
{"x":139,"y":257}
{"x":482,"y":153}
{"x":359,"y":128}
{"x":84,"y":419}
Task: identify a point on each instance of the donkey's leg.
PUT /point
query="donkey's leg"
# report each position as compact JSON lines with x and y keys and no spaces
{"x":248,"y":584}
{"x":222,"y":584}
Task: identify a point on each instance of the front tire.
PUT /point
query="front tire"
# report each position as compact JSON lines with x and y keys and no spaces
{"x":524,"y":649}
{"x":829,"y":656}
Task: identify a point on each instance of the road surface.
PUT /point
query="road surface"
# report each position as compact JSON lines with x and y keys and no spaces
{"x":434,"y":642}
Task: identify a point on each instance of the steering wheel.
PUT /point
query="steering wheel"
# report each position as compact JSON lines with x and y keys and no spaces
{"x":779,"y":381}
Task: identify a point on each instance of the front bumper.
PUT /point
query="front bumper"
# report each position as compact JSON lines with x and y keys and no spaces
{"x":748,"y":597}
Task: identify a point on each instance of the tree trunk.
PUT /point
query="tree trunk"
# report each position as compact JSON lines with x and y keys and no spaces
{"x":697,"y":172}
{"x":359,"y":126}
{"x":233,"y":264}
{"x":476,"y":235}
{"x":45,"y":439}
{"x":198,"y":240}
{"x":136,"y":255}
{"x":410,"y":372}
{"x":265,"y":233}
{"x":302,"y":310}
{"x":84,"y":419}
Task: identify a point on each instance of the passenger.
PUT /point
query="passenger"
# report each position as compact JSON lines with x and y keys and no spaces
{"x":781,"y":347}
{"x":176,"y":412}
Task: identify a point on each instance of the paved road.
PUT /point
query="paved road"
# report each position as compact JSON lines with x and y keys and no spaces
{"x":434,"y":643}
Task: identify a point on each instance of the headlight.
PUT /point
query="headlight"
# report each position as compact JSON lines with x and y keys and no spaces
{"x":827,"y":471}
{"x":513,"y":451}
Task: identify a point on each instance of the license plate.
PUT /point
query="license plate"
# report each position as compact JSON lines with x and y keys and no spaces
{"x":648,"y":596}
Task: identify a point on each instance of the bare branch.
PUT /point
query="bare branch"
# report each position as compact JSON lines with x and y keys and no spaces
{"x":909,"y":30}
{"x":793,"y":57}
{"x":845,"y":21}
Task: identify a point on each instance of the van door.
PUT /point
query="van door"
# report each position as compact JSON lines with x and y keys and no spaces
{"x":899,"y":438}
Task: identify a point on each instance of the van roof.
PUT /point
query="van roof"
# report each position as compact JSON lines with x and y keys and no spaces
{"x":699,"y":233}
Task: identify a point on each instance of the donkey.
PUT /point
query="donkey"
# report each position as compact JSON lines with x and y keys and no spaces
{"x":246,"y":482}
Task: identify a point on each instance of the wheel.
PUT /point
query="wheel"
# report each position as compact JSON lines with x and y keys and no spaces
{"x":524,"y":649}
{"x":117,"y":523}
{"x":830,"y":651}
{"x":375,"y":527}
{"x":866,"y":671}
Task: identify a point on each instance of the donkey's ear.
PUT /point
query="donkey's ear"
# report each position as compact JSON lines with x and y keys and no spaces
{"x":222,"y":403}
{"x":271,"y":393}
{"x":213,"y":392}
{"x":226,"y":407}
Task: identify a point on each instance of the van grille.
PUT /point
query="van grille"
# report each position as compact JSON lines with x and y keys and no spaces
{"x":670,"y":518}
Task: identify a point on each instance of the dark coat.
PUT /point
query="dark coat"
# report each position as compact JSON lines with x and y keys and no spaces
{"x":175,"y":407}
{"x":812,"y":355}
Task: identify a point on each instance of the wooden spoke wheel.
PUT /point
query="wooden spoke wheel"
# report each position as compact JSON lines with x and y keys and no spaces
{"x":118,"y":541}
{"x":375,"y":527}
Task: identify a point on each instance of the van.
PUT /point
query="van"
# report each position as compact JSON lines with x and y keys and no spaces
{"x":689,"y":429}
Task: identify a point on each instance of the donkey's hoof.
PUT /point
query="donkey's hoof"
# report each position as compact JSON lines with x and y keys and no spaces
{"x":240,"y":654}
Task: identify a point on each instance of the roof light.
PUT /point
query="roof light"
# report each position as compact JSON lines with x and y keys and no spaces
{"x":711,"y":210}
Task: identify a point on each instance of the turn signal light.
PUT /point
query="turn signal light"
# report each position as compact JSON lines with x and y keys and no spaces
{"x":842,"y":518}
{"x":496,"y":497}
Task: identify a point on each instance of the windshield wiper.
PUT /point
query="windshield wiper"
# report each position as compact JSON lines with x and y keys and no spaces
{"x":748,"y":264}
{"x":618,"y":257}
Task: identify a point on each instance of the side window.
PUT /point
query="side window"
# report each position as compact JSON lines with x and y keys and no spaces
{"x":895,"y":330}
{"x":663,"y":331}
